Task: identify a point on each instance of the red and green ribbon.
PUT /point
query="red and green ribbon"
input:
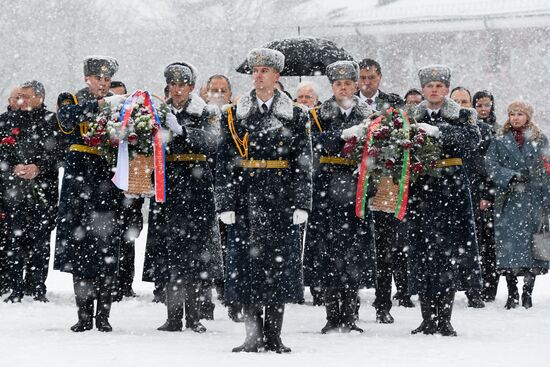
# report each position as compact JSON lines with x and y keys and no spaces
{"x":403,"y":197}
{"x":363,"y":182}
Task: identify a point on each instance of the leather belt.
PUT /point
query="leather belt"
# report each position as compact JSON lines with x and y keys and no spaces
{"x":84,"y":149}
{"x":337,"y":160}
{"x":186,"y":157}
{"x":449,"y":162}
{"x":262,"y":163}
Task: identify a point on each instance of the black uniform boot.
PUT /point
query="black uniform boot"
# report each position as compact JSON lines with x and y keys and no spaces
{"x":384,"y":317}
{"x":317,"y":295}
{"x":272,"y":329}
{"x":234,"y":311}
{"x":104,"y":301}
{"x":253,"y":324}
{"x":513,"y":294}
{"x":84,"y":301}
{"x":332,"y":306}
{"x":474,"y":299}
{"x":428,"y":310}
{"x":192,"y":309}
{"x":347,"y":312}
{"x":174,"y":306}
{"x":444,"y":312}
{"x":528,"y":285}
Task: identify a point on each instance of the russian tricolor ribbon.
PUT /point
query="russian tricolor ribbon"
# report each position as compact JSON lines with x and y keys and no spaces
{"x":120,"y":179}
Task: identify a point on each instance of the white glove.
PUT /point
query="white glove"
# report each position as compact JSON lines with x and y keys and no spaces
{"x":173,"y":124}
{"x":115,"y":100}
{"x":357,"y":131}
{"x":299,"y":216}
{"x":228,"y":217}
{"x":430,"y":130}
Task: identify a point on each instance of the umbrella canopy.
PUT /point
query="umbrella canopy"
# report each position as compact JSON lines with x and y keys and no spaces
{"x":304,"y":56}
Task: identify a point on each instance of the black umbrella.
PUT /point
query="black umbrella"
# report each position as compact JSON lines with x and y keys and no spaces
{"x":304,"y":56}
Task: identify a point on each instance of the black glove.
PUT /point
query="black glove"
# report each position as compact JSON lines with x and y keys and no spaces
{"x":519,"y":179}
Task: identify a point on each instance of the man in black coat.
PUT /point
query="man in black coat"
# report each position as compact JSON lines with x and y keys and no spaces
{"x":443,"y":244}
{"x":263,"y":187}
{"x":339,"y":252}
{"x":88,"y":223}
{"x":391,"y":255}
{"x":30,"y":190}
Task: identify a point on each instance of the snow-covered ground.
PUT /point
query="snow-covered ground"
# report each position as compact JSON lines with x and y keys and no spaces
{"x":35,"y":334}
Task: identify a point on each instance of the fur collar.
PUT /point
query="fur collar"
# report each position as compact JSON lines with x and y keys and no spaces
{"x":282,"y":107}
{"x":195,"y":105}
{"x":330,"y":109}
{"x":449,"y":110}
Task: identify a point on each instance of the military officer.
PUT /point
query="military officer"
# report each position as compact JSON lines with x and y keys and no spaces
{"x":263,"y":186}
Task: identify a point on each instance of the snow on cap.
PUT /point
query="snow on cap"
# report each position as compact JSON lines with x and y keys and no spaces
{"x":266,"y":57}
{"x":435,"y":73}
{"x":341,"y":70}
{"x":103,"y":66}
{"x":180,"y":72}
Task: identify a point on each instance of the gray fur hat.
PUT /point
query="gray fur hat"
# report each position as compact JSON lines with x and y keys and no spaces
{"x":100,"y":65}
{"x":435,"y":73}
{"x":266,"y":57}
{"x":344,"y":69}
{"x":180,"y":72}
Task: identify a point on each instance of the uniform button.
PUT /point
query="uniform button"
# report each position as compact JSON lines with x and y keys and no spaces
{"x":251,"y":174}
{"x":281,"y":143}
{"x":280,"y":173}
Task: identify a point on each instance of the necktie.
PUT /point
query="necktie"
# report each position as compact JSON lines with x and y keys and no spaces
{"x":370,"y":101}
{"x":434,"y":115}
{"x":264,"y":108}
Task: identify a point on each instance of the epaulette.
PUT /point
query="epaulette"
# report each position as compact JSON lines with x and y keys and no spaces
{"x":64,"y":99}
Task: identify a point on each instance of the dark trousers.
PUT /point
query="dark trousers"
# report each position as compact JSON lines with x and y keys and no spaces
{"x":391,"y":259}
{"x":133,"y":224}
{"x":340,"y":304}
{"x":88,"y":289}
{"x":179,"y":293}
{"x":487,"y":250}
{"x":29,"y":246}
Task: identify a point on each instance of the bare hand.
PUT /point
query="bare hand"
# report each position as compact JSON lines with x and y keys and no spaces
{"x":26,"y":171}
{"x":484,"y":204}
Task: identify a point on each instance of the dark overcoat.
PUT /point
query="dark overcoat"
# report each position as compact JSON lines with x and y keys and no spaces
{"x":339,"y":247}
{"x":89,"y":228}
{"x":441,"y":234}
{"x":183,"y":239}
{"x":264,"y":247}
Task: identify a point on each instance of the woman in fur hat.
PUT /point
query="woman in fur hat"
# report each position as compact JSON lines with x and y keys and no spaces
{"x":515,"y":164}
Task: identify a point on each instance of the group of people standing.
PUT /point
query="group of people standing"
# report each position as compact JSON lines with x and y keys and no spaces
{"x":261,"y":201}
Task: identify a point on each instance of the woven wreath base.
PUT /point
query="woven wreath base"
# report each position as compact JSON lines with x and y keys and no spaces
{"x":140,"y":170}
{"x":385,"y":199}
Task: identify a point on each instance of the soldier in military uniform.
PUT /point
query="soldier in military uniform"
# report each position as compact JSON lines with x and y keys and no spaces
{"x":183,"y":239}
{"x":30,"y":191}
{"x":443,"y":254}
{"x":339,"y":247}
{"x":263,"y":186}
{"x":88,"y":230}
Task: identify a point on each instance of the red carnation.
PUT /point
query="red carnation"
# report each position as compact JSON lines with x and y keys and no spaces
{"x":419,"y":138}
{"x":132,"y":138}
{"x":15,"y":131}
{"x":3,"y":216}
{"x":397,"y":124}
{"x":417,"y":167}
{"x":389,"y":164}
{"x":114,"y":142}
{"x":94,"y":141}
{"x":407,"y":144}
{"x":350,"y":145}
{"x":374,"y":152}
{"x":102,"y":122}
{"x":8,"y":140}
